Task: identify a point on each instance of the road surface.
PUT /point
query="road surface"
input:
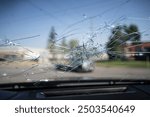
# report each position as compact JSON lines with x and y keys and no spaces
{"x":35,"y":72}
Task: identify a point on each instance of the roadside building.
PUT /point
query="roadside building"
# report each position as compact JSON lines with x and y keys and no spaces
{"x":139,"y":51}
{"x":17,"y":53}
{"x":11,"y":53}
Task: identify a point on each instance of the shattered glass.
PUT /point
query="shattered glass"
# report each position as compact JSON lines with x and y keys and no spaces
{"x":22,"y":64}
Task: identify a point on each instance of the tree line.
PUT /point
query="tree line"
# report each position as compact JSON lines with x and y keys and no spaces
{"x":63,"y":45}
{"x":116,"y":41}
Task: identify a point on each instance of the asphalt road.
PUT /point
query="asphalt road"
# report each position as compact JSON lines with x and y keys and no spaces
{"x":47,"y":72}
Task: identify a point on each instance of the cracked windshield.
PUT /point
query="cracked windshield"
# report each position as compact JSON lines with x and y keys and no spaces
{"x":49,"y":40}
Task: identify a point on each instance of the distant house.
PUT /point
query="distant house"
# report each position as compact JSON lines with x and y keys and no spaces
{"x":16,"y":53}
{"x":10,"y":53}
{"x":139,"y":51}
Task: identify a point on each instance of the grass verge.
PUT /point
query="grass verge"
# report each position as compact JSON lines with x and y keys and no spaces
{"x":130,"y":64}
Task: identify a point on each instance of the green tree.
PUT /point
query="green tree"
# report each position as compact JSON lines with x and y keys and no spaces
{"x":64,"y":44}
{"x":120,"y":35}
{"x":52,"y":41}
{"x":73,"y":43}
{"x":115,"y":39}
{"x":133,"y":33}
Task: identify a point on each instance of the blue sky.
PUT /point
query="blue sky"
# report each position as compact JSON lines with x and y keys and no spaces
{"x":24,"y":18}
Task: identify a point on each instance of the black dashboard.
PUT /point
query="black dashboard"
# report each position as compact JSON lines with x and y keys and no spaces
{"x":77,"y":90}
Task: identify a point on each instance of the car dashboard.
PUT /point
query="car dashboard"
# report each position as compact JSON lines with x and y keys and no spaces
{"x":77,"y":90}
